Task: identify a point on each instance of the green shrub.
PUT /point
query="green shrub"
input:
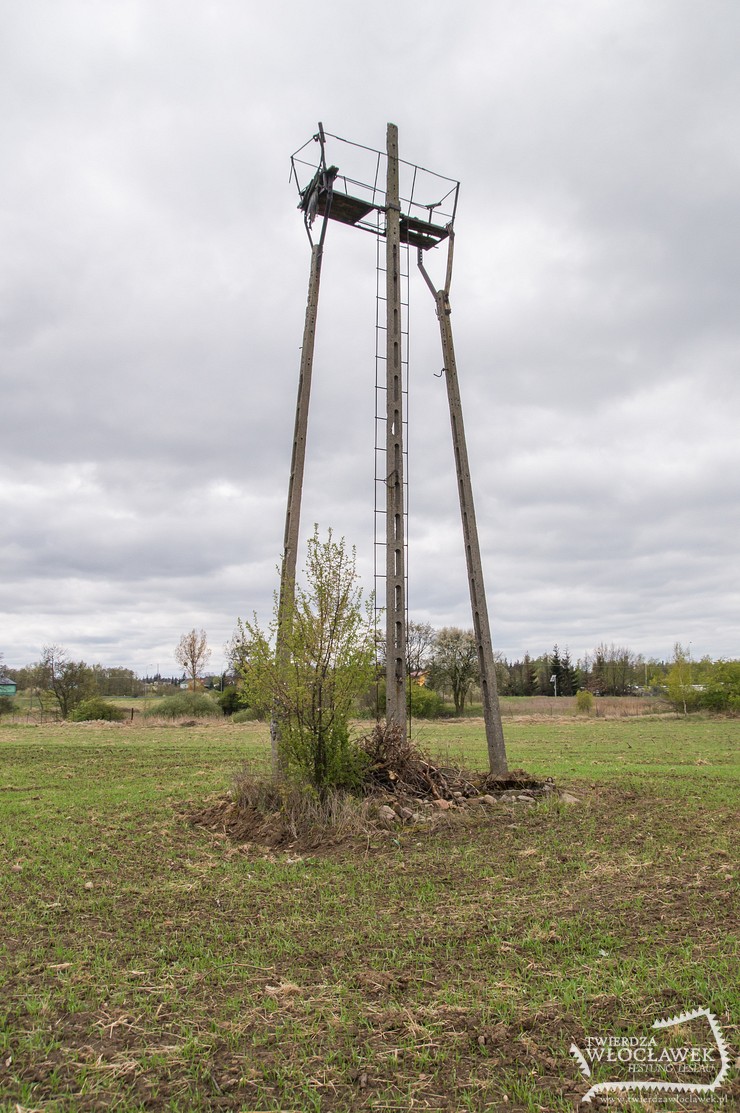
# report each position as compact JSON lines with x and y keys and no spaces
{"x":584,"y":701}
{"x":325,"y":661}
{"x":721,"y":690}
{"x":715,"y":697}
{"x":232,"y":700}
{"x":184,"y":705}
{"x":344,"y":761}
{"x":7,"y":706}
{"x":97,"y":708}
{"x":425,"y":703}
{"x":246,"y":715}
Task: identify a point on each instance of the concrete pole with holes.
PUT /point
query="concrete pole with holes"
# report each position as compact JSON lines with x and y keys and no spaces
{"x":395,"y":575}
{"x":295,"y":483}
{"x":489,"y":688}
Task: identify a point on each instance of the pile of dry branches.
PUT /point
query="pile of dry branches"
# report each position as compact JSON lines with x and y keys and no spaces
{"x":398,"y":768}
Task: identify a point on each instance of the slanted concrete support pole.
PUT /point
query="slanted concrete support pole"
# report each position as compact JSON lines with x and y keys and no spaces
{"x":395,"y":575}
{"x":489,"y":688}
{"x":295,"y":485}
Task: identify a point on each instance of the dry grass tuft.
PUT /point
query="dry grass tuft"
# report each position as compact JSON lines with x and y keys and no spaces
{"x":261,"y":809}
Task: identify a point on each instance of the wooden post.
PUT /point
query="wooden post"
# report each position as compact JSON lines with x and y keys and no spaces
{"x":395,"y":574}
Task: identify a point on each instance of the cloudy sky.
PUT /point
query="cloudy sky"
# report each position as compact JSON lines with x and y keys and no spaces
{"x":153,"y":272}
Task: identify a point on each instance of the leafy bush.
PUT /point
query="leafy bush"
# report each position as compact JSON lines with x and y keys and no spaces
{"x":184,"y":705}
{"x":97,"y":708}
{"x":313,"y":663}
{"x":246,"y":715}
{"x":232,"y":700}
{"x":343,"y":762}
{"x":584,"y":701}
{"x":721,"y":690}
{"x":715,"y":697}
{"x":425,"y":703}
{"x":7,"y":706}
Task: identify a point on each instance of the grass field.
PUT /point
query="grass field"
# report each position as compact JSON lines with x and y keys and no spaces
{"x":149,"y":965}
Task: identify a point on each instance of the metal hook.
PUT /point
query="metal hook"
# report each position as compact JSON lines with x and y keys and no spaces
{"x":441,"y":373}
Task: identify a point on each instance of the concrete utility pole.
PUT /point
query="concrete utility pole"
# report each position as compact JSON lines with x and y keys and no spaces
{"x":318,"y":192}
{"x":298,"y":458}
{"x":295,"y":483}
{"x":489,"y":688}
{"x":395,"y":573}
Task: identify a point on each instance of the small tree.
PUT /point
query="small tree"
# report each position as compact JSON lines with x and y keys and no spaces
{"x":328,"y":660}
{"x":556,"y":672}
{"x":503,"y":675}
{"x":419,"y":644}
{"x":69,"y":681}
{"x":568,"y":684}
{"x":193,"y":654}
{"x":455,"y":664}
{"x":681,"y":691}
{"x":232,"y":700}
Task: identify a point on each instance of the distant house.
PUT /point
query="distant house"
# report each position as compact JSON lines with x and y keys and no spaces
{"x":8,"y":687}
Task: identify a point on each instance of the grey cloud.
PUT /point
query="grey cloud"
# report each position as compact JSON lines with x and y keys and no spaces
{"x":153,"y":290}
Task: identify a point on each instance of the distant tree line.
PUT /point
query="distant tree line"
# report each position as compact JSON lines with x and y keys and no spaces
{"x":445,"y":661}
{"x":443,"y":677}
{"x":58,"y":683}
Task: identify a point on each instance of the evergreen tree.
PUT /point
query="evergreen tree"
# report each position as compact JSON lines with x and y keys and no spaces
{"x":543,"y":672}
{"x":529,"y":676}
{"x":523,"y":677}
{"x":556,"y":672}
{"x":569,"y":676}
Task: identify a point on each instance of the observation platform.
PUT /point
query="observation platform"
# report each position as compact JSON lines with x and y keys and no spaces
{"x":359,"y":200}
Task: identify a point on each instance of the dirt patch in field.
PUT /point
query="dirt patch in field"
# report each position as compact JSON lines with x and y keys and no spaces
{"x":401,"y":786}
{"x":452,"y":795}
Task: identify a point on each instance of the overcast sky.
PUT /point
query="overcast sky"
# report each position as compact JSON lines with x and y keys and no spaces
{"x":153,"y":274}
